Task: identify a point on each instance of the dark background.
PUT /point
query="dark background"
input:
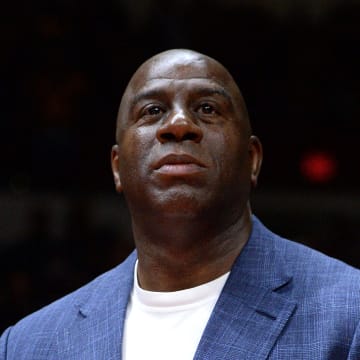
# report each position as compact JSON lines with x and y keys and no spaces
{"x":63,"y":67}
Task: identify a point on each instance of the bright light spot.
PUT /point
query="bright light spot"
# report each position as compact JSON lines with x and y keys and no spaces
{"x":318,"y":166}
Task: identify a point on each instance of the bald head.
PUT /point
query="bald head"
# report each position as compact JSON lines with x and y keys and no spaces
{"x":182,"y":64}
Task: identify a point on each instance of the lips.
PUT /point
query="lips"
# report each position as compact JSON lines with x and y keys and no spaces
{"x":178,"y":164}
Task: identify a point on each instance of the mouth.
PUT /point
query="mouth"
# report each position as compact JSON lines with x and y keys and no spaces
{"x":179,"y":164}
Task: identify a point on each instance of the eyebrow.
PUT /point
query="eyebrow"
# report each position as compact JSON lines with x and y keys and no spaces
{"x":208,"y":91}
{"x":202,"y":91}
{"x":147,"y":94}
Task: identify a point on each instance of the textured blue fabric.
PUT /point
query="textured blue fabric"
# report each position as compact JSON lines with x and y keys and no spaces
{"x":282,"y":300}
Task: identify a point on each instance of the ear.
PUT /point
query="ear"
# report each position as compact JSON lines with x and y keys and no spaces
{"x":115,"y":168}
{"x":255,"y":156}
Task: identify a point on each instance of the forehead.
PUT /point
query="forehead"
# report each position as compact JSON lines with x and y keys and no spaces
{"x":182,"y":68}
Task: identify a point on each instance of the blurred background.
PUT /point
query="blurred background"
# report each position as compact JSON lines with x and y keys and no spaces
{"x":63,"y":67}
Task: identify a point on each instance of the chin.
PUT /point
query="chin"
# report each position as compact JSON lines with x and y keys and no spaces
{"x":181,"y":205}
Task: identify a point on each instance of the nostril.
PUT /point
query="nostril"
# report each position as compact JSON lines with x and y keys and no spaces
{"x":168,"y":136}
{"x":190,"y":136}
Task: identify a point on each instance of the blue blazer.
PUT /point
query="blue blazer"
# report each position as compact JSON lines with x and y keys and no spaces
{"x":282,"y":300}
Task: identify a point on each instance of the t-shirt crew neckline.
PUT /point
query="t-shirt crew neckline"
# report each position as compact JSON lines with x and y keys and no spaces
{"x":177,"y":300}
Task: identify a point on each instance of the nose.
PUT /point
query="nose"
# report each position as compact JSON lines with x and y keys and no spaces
{"x":179,"y":127}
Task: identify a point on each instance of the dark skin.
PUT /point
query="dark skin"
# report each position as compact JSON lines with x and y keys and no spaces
{"x":186,"y":161}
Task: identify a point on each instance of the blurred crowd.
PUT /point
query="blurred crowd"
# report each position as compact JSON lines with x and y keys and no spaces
{"x":43,"y":265}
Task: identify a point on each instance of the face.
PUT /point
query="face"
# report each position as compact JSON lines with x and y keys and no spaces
{"x":184,"y":142}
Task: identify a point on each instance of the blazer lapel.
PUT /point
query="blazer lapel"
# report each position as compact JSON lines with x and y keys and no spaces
{"x":254,"y":305}
{"x":98,"y":329}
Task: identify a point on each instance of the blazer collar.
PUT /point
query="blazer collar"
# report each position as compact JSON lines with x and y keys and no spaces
{"x":255,"y":303}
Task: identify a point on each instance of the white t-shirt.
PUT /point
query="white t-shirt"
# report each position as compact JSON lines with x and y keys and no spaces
{"x":168,"y":325}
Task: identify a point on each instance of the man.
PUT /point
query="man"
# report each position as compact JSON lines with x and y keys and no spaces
{"x":211,"y":282}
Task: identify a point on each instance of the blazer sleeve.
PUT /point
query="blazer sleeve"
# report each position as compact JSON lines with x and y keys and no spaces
{"x":3,"y":344}
{"x":354,"y":353}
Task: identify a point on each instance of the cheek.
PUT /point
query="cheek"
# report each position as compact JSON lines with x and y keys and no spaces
{"x":229,"y":151}
{"x":134,"y":153}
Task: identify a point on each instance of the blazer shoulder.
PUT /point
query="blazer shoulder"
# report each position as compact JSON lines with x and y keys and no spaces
{"x":301,"y":258}
{"x":309,"y":268}
{"x":65,"y":312}
{"x":307,"y":261}
{"x":321,"y":281}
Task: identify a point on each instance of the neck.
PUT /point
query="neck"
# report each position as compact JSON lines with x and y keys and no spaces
{"x":176,"y":254}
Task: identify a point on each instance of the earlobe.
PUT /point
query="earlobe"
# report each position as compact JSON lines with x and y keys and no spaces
{"x":115,"y":168}
{"x":256,"y":156}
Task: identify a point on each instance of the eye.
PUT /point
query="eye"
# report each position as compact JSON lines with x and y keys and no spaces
{"x":151,"y":113}
{"x":207,"y":109}
{"x":153,"y":110}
